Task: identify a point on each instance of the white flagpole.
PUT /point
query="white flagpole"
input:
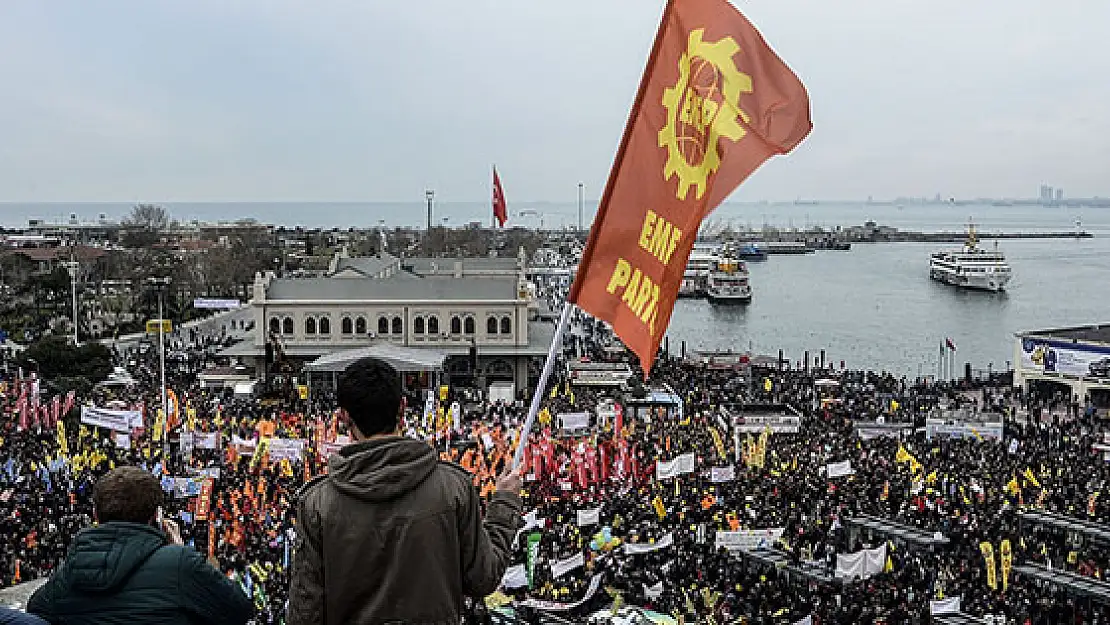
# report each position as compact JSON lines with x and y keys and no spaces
{"x":541,"y":386}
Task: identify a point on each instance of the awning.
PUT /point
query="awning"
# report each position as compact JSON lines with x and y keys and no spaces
{"x":400,"y":358}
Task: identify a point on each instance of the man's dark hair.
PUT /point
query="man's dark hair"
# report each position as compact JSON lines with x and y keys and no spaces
{"x":127,"y":494}
{"x":370,"y":391}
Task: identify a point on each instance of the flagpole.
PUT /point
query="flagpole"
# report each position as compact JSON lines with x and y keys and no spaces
{"x":541,"y":386}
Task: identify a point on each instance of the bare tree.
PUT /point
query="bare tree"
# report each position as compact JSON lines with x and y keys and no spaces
{"x":149,"y":217}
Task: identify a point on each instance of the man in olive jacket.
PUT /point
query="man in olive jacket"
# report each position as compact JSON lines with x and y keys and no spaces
{"x":391,"y":534}
{"x":132,"y":569}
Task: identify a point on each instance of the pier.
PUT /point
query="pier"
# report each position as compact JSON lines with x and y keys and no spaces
{"x":801,"y":241}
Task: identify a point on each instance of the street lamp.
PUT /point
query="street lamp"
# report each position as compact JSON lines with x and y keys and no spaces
{"x":73,"y":267}
{"x":581,"y":190}
{"x":429,"y":195}
{"x":160,"y":285}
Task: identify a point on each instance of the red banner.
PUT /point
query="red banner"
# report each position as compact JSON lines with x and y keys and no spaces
{"x":204,"y":502}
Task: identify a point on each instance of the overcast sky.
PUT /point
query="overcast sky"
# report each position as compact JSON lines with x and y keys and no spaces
{"x":269,"y":100}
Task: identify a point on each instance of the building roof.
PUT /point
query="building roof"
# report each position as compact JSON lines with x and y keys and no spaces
{"x":369,"y":266}
{"x":1092,"y":334}
{"x":399,"y":357}
{"x":465,"y":289}
{"x":422,"y":266}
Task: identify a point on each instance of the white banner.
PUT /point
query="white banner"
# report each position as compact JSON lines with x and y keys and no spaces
{"x":215,"y":304}
{"x":722,"y":474}
{"x":286,"y":448}
{"x":562,"y":567}
{"x":868,"y":431}
{"x":806,"y":621}
{"x":551,"y":606}
{"x":115,"y":420}
{"x":244,"y":446}
{"x":861,"y":564}
{"x":1046,"y":356}
{"x":679,"y":466}
{"x":748,"y":539}
{"x":206,"y":440}
{"x":456,"y":415}
{"x":632,"y":549}
{"x":839,"y":469}
{"x":963,"y":429}
{"x":653,"y":592}
{"x":950,"y":605}
{"x":571,"y":421}
{"x":787,"y":424}
{"x":515,"y":577}
{"x":589,"y":517}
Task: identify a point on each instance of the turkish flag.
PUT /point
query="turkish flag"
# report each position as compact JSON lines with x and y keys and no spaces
{"x":714,"y":103}
{"x":500,"y":207}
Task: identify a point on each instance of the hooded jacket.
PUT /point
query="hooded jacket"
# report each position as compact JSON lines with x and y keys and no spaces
{"x":126,"y":574}
{"x":394,"y":535}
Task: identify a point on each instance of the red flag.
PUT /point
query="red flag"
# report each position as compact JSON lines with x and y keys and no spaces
{"x":500,"y":207}
{"x":70,"y":397}
{"x":949,"y":344}
{"x":714,"y":103}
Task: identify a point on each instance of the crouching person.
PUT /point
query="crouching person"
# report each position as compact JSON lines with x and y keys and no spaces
{"x":132,"y":568}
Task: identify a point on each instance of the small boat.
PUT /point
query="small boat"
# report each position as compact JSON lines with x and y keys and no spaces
{"x":751,"y":252}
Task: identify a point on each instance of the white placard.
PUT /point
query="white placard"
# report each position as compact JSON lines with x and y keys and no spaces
{"x":286,"y":448}
{"x":722,"y":474}
{"x":839,"y":469}
{"x":562,"y":567}
{"x":679,"y":466}
{"x":747,"y":540}
{"x":122,"y":440}
{"x":589,"y":517}
{"x":515,"y":577}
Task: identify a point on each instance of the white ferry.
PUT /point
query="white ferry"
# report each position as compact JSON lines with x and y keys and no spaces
{"x":696,"y":276}
{"x":971,"y":267}
{"x":728,"y":280}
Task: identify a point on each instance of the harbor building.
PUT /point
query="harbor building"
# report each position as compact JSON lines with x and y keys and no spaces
{"x":478,"y":316}
{"x":1074,"y":360}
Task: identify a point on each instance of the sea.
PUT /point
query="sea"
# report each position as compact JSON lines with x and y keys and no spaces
{"x":872,"y":307}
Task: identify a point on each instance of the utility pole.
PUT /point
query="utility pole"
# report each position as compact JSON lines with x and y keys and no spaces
{"x":581,"y":189}
{"x":429,"y":195}
{"x":73,"y":267}
{"x":161,"y":284}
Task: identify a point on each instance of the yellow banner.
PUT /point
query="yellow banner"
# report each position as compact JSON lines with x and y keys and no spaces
{"x":988,"y":558}
{"x":1007,"y":562}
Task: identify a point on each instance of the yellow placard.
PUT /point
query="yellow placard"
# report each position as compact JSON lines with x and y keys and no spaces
{"x":152,"y":326}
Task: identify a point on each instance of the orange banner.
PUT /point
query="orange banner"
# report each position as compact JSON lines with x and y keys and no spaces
{"x":714,"y":103}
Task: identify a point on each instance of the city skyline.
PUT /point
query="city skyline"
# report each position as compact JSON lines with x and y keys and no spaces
{"x":264,"y":101}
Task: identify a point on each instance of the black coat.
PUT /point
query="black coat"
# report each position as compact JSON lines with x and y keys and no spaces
{"x":126,"y":574}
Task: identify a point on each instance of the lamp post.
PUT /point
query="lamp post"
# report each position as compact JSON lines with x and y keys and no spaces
{"x":160,"y":284}
{"x":581,"y":190}
{"x":430,"y":196}
{"x":73,"y":267}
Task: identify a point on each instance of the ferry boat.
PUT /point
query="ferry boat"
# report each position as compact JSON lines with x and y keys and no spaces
{"x":696,"y":276}
{"x":752,"y":252}
{"x":728,"y":280}
{"x":971,"y":267}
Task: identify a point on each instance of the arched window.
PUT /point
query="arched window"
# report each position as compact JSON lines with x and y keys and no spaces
{"x":310,"y":325}
{"x":456,"y":325}
{"x":491,"y":325}
{"x":360,"y":325}
{"x":433,"y":325}
{"x":418,"y":325}
{"x":275,"y":325}
{"x":325,"y":325}
{"x":287,"y":325}
{"x":398,"y":326}
{"x":383,"y":325}
{"x":506,"y":325}
{"x":469,"y":325}
{"x":345,"y":326}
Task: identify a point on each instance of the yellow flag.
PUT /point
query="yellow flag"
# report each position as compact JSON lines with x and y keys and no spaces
{"x":1007,"y":562}
{"x":63,"y":444}
{"x":767,"y":386}
{"x":660,"y":509}
{"x":1032,"y":478}
{"x":1013,"y":487}
{"x":988,"y":558}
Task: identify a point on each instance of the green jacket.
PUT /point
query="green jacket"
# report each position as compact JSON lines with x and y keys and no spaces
{"x":126,"y":574}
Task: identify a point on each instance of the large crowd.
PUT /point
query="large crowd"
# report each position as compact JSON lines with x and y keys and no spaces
{"x":602,"y":526}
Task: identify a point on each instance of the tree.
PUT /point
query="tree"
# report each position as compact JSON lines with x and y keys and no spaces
{"x":148,"y":217}
{"x":65,"y":366}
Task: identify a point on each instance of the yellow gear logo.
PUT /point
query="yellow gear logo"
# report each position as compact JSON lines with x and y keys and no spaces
{"x":702,"y":107}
